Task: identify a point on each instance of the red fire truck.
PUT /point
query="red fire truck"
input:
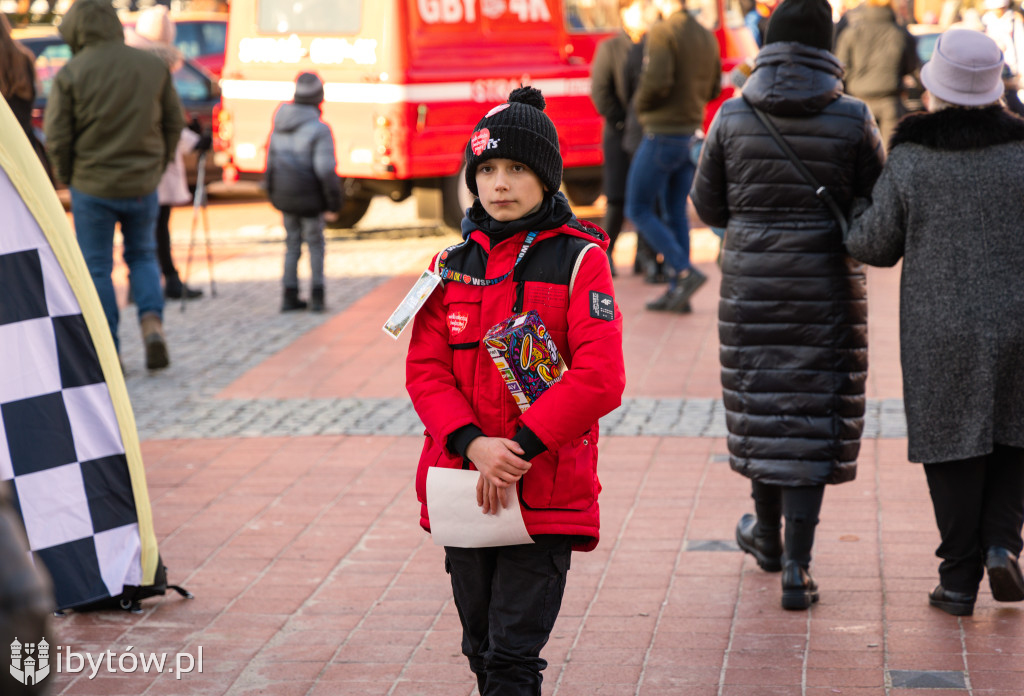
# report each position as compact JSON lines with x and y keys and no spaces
{"x":406,"y":81}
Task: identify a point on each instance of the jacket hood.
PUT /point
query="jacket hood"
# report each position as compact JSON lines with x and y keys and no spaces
{"x":555,"y":215}
{"x":871,"y":14}
{"x":90,"y":22}
{"x":792,"y":79}
{"x":290,"y":116}
{"x":959,"y":128}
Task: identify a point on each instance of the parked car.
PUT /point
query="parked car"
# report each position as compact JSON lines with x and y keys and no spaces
{"x":200,"y":36}
{"x":197,"y":88}
{"x":925,"y":36}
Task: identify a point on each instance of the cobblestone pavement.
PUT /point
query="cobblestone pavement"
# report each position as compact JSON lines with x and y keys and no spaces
{"x":241,"y":327}
{"x":280,"y":452}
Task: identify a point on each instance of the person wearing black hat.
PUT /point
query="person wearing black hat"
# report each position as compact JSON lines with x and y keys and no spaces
{"x":524,"y":254}
{"x":792,"y":319}
{"x":302,"y":183}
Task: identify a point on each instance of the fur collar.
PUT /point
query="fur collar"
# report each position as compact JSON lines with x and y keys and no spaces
{"x":956,"y":128}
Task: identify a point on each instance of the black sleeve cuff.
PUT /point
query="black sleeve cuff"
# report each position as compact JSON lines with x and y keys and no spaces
{"x":459,"y":440}
{"x":531,"y":444}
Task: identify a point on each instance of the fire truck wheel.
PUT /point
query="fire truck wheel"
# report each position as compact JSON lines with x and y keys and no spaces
{"x":352,"y":211}
{"x":455,"y":198}
{"x":582,"y":191}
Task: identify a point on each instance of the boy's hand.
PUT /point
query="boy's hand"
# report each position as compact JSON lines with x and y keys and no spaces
{"x":500,"y":467}
{"x":330,"y":216}
{"x":489,"y":496}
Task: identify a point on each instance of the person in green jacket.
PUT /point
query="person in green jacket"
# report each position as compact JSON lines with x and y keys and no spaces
{"x":112,"y":123}
{"x":682,"y":73}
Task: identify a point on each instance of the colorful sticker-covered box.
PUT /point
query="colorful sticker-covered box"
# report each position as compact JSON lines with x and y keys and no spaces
{"x":525,"y":355}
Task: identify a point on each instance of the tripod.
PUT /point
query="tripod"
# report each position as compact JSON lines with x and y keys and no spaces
{"x":199,"y":210}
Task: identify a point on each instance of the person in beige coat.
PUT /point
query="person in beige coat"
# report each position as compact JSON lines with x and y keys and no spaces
{"x":154,"y":31}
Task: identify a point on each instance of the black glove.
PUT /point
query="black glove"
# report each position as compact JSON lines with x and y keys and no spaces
{"x":205,"y":143}
{"x":195,"y":126}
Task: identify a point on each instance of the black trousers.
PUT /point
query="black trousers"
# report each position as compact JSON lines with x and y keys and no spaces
{"x":616,"y":167}
{"x":508,"y":598}
{"x":799,"y":505}
{"x":163,"y":244}
{"x":979,"y":503}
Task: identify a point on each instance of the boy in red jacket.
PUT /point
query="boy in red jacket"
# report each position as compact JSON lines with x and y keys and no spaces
{"x":524,"y":249}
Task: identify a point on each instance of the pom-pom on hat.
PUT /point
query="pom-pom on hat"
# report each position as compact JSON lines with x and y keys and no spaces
{"x":309,"y":89}
{"x":805,"y":21}
{"x":517,"y":130}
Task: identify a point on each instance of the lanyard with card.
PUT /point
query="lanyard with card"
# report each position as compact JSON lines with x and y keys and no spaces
{"x":428,"y":280}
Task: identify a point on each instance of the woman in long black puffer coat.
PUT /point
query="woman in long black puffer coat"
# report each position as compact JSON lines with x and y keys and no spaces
{"x":792,"y":319}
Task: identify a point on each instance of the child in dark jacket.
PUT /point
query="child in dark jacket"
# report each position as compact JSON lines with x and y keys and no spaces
{"x":523,"y":250}
{"x":302,"y":183}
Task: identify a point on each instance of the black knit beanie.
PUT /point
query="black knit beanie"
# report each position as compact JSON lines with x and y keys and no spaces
{"x":806,"y":21}
{"x":309,"y":89}
{"x":517,"y":130}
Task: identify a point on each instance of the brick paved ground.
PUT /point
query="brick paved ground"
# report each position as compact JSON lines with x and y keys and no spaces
{"x":280,"y":451}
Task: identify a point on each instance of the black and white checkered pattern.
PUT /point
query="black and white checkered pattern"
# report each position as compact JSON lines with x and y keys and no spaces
{"x":60,"y":442}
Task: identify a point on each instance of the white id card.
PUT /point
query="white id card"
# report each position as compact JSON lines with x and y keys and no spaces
{"x":412,"y":303}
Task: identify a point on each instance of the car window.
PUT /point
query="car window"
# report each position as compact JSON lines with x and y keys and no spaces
{"x":49,"y":61}
{"x":196,"y":39}
{"x":310,"y":16}
{"x":926,"y":46}
{"x":190,"y":84}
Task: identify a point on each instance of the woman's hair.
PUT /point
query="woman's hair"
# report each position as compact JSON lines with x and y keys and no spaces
{"x":938,"y":104}
{"x":16,"y":62}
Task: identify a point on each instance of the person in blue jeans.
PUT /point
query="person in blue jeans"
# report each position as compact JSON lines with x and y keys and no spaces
{"x":110,"y":140}
{"x":95,"y":218}
{"x":681,"y":75}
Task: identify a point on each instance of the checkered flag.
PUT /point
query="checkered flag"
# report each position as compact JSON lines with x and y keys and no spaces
{"x":67,"y":436}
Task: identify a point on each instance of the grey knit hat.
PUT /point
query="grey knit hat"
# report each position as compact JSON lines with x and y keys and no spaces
{"x":517,"y":130}
{"x":965,"y":70}
{"x":309,"y":89}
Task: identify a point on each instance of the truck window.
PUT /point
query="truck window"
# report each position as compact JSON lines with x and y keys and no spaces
{"x":310,"y":16}
{"x":585,"y":16}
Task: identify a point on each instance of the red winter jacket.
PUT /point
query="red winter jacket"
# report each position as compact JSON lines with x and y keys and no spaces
{"x":453,"y":381}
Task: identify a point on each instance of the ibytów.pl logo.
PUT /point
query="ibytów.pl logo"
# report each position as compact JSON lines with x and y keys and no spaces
{"x":30,"y":662}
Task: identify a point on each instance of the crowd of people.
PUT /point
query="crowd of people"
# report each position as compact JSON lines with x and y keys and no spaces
{"x":810,"y":172}
{"x":795,"y":173}
{"x":116,"y":135}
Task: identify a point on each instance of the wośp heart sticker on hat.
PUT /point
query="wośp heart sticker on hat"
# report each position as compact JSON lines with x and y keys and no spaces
{"x":479,"y":141}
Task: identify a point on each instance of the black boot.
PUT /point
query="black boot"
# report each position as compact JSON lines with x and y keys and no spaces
{"x":1004,"y":576}
{"x":764,"y":544}
{"x":174,"y":289}
{"x":668,"y":302}
{"x":316,"y":300}
{"x":291,"y":301}
{"x":953,"y":603}
{"x":799,"y":591}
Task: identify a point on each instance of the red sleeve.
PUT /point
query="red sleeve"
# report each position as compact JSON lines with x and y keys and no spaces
{"x":428,"y":373}
{"x":593,"y":385}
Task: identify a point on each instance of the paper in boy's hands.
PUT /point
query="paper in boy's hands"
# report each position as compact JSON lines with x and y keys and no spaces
{"x":525,"y":355}
{"x":411,"y":304}
{"x":457,"y":520}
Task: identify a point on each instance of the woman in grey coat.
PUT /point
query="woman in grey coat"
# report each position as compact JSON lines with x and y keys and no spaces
{"x":792,"y":319}
{"x":950,"y":203}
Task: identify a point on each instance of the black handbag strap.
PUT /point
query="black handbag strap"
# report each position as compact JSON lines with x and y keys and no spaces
{"x":820,"y":191}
